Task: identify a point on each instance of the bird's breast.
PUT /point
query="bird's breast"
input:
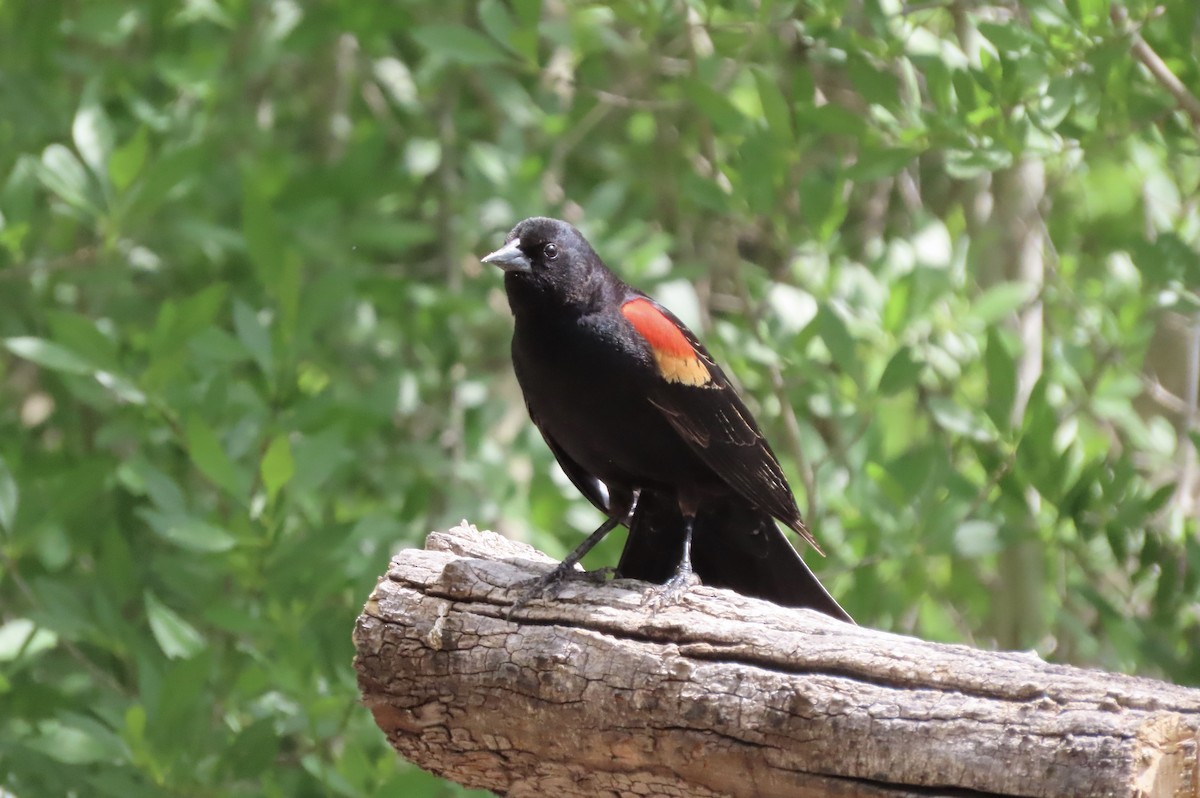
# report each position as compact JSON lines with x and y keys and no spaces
{"x":587,"y":382}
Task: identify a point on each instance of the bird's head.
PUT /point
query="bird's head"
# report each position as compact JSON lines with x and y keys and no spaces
{"x":550,"y":256}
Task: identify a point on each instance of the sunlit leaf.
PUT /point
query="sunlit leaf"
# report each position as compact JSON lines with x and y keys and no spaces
{"x":22,"y":638}
{"x":960,"y":420}
{"x":92,"y":133}
{"x":48,"y":354}
{"x":277,"y":467}
{"x":976,"y":538}
{"x":63,"y":173}
{"x":176,"y":637}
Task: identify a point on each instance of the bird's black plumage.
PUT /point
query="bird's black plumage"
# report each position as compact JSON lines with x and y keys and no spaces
{"x":635,"y":410}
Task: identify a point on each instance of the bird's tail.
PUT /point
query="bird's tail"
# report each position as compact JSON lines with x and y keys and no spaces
{"x":734,"y":546}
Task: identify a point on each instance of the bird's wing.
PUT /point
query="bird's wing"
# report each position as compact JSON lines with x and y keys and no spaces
{"x":699,"y":402}
{"x":590,"y":486}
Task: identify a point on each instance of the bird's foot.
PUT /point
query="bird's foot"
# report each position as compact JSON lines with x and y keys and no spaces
{"x":670,"y":592}
{"x":549,"y":585}
{"x":599,"y":576}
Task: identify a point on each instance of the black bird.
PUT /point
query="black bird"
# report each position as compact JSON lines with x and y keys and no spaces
{"x":648,"y":427}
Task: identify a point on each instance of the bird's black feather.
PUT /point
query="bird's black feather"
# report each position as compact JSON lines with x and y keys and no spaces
{"x":630,"y":402}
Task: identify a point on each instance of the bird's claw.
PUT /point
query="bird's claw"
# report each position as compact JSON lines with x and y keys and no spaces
{"x":550,"y":584}
{"x":670,"y":592}
{"x":598,"y":576}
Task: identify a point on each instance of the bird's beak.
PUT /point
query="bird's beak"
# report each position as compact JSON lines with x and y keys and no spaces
{"x":510,"y":258}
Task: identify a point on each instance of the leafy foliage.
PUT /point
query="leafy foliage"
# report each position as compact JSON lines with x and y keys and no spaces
{"x":248,"y":349}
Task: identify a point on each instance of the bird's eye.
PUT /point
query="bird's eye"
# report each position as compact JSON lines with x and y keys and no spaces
{"x":550,"y":251}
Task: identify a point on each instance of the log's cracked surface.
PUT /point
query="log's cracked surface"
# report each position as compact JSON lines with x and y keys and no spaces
{"x":590,"y":694}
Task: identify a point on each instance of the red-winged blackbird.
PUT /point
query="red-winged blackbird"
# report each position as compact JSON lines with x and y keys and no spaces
{"x":647,"y":426}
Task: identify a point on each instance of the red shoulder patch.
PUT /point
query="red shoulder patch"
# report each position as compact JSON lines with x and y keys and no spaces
{"x":676,"y":360}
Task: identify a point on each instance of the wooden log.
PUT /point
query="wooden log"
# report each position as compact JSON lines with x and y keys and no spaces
{"x":591,"y":694}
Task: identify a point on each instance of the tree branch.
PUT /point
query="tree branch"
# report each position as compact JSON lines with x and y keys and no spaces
{"x":592,"y":694}
{"x":1158,"y":68}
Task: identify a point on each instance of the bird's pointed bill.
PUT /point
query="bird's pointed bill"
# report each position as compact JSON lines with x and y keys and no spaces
{"x":510,"y":258}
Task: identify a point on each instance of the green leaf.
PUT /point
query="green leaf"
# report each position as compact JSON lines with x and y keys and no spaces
{"x":760,"y":164}
{"x":277,"y":467}
{"x":177,"y":638}
{"x":83,"y":336}
{"x":977,"y":538}
{"x":837,"y":338}
{"x":78,"y":740}
{"x":916,"y":468}
{"x":21,"y":638}
{"x":121,"y":387}
{"x":143,"y":478}
{"x":458,"y":44}
{"x":126,"y":161}
{"x":1008,"y":37}
{"x":775,"y":107}
{"x":823,"y":202}
{"x":254,"y":336}
{"x":93,"y":135}
{"x":967,"y":164}
{"x":188,"y":532}
{"x":1057,"y":102}
{"x":1001,"y":366}
{"x":164,"y":178}
{"x":873,"y":164}
{"x":179,"y":321}
{"x":422,"y":156}
{"x":716,"y":107}
{"x":63,"y":174}
{"x":256,"y":748}
{"x":1002,"y":300}
{"x":498,"y":22}
{"x":264,"y":243}
{"x":9,"y":498}
{"x":48,"y":355}
{"x":703,"y":192}
{"x":1039,"y":425}
{"x":831,"y":118}
{"x":891,"y":488}
{"x":529,"y":12}
{"x":876,"y":85}
{"x":900,"y":374}
{"x":210,"y":457}
{"x":135,"y":726}
{"x":959,"y":420}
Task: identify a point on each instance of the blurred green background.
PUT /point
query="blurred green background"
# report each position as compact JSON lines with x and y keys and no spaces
{"x":948,"y":249}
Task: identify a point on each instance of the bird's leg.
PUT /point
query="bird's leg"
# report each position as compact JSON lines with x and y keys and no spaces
{"x":671,"y":591}
{"x":553,"y":580}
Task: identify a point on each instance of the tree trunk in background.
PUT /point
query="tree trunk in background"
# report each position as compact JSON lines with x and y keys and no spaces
{"x":1008,"y":245}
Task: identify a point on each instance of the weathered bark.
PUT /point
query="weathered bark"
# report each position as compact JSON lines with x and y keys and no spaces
{"x":591,"y":694}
